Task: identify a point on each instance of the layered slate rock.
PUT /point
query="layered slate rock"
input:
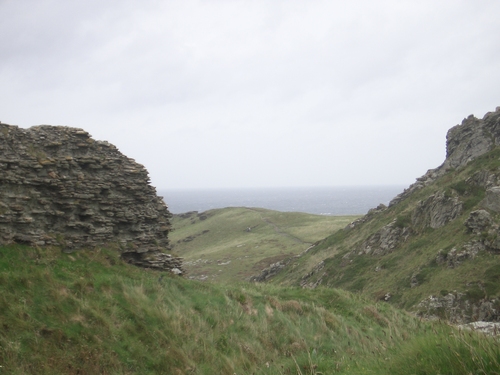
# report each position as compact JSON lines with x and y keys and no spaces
{"x":435,"y":211}
{"x":385,"y":240}
{"x":472,"y":138}
{"x":58,"y":186}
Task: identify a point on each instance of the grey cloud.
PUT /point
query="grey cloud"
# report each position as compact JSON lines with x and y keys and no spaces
{"x":255,"y":93}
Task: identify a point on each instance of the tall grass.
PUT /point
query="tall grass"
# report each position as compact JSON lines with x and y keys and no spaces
{"x":89,"y":313}
{"x":442,"y":351}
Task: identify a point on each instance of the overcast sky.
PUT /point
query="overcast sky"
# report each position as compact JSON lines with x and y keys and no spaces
{"x":223,"y":93}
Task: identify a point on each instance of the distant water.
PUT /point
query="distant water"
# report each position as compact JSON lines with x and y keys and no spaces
{"x":322,"y":201}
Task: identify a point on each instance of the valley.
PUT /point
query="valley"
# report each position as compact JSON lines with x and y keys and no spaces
{"x":232,"y":244}
{"x":86,"y":285}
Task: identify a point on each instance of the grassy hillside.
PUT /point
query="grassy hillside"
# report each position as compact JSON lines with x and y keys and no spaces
{"x":421,"y":264}
{"x":233,"y":244}
{"x":89,"y":313}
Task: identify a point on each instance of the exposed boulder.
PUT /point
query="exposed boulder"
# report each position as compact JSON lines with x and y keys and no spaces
{"x":479,"y":221}
{"x":492,"y":199}
{"x":58,"y":186}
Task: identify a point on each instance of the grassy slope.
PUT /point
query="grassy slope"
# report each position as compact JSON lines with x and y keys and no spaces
{"x":89,"y":313}
{"x":391,"y":273}
{"x":217,"y":244}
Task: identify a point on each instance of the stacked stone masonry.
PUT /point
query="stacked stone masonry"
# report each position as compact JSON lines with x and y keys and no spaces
{"x":58,"y":186}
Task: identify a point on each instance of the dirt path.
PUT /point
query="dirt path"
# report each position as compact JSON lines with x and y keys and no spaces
{"x":277,"y":229}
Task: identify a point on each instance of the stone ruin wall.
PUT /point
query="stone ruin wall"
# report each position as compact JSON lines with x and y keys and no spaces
{"x":58,"y":186}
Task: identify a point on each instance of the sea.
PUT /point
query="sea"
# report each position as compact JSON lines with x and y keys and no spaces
{"x":334,"y":201}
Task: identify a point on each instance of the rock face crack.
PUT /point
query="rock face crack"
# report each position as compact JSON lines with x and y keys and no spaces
{"x":58,"y":186}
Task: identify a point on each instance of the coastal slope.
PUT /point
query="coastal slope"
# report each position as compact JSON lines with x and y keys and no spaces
{"x":435,"y":249}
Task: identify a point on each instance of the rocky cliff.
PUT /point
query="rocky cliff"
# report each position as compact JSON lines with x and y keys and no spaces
{"x":435,"y":249}
{"x":465,"y":142}
{"x":58,"y":186}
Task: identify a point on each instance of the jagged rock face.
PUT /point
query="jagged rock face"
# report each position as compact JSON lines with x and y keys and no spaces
{"x":471,"y":139}
{"x":58,"y":186}
{"x":458,"y":309}
{"x":371,"y":213}
{"x":464,"y":142}
{"x":385,"y":240}
{"x":441,"y":197}
{"x":436,"y":211}
{"x":482,"y":178}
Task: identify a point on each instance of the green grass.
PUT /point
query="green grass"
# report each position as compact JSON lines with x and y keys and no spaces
{"x":413,"y":259}
{"x":233,"y":244}
{"x":89,"y":313}
{"x":441,"y":352}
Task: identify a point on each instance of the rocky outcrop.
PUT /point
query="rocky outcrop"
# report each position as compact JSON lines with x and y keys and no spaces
{"x":455,"y":257}
{"x":373,"y":212}
{"x":458,"y":309}
{"x":426,"y":179}
{"x":436,"y":211}
{"x":440,"y":197}
{"x":472,"y":138}
{"x":479,"y":221}
{"x":483,"y":179}
{"x":481,"y":224}
{"x":385,"y":240}
{"x":487,"y":328}
{"x":465,"y":142}
{"x":305,"y":283}
{"x":492,"y":199}
{"x":58,"y":186}
{"x":486,"y":229}
{"x":270,"y":271}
